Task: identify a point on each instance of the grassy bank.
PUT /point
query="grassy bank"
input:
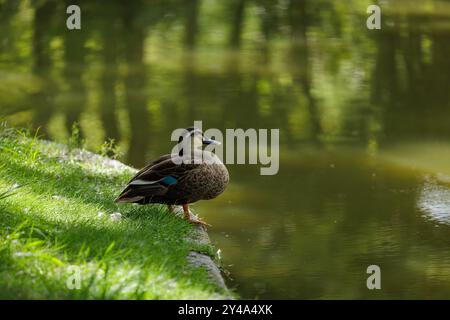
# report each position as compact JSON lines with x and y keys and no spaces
{"x":56,"y":212}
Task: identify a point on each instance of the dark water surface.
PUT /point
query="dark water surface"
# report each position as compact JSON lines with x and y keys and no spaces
{"x":364,"y":119}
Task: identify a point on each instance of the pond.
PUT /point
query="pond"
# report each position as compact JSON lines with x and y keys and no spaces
{"x":363,"y":115}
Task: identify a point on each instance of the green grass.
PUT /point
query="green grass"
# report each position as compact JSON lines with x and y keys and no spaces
{"x":50,"y":199}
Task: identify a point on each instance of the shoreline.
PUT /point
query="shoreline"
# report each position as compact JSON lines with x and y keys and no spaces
{"x":65,"y":197}
{"x":199,"y":235}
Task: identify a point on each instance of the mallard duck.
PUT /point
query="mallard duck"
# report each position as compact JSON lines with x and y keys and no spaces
{"x":175,"y":179}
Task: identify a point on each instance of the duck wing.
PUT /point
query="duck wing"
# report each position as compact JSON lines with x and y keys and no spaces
{"x":155,"y":179}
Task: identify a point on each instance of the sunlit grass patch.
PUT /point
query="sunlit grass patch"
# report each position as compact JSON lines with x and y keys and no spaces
{"x":55,"y":220}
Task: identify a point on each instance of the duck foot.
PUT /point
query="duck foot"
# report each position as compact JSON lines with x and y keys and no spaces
{"x":192,"y":218}
{"x":197,"y":220}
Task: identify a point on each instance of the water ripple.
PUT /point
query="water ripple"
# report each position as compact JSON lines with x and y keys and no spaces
{"x":434,"y":202}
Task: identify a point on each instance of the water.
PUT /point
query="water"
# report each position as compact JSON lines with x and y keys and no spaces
{"x":363,"y":118}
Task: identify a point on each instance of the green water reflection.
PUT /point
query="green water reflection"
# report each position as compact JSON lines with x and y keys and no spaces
{"x":363,"y":116}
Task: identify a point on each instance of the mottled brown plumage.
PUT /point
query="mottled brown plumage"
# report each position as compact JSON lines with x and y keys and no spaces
{"x":174,"y":180}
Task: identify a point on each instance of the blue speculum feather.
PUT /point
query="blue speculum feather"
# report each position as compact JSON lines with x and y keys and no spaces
{"x":169,"y":180}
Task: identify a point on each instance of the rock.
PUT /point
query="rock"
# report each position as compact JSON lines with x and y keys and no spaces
{"x":115,"y":216}
{"x":200,"y":260}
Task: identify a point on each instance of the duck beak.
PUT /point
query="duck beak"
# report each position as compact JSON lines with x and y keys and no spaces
{"x":207,"y":141}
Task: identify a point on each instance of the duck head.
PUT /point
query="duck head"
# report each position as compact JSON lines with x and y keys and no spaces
{"x":194,"y":138}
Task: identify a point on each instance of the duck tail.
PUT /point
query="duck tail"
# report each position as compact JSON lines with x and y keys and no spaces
{"x":136,"y":194}
{"x":128,"y":196}
{"x":122,"y":200}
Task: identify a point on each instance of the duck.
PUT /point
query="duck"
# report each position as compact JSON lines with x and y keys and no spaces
{"x":180,"y":178}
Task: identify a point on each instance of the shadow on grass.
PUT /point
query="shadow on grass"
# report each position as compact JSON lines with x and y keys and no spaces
{"x":70,"y":181}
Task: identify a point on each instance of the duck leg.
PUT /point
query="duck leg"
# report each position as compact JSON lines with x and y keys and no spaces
{"x":188,"y":217}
